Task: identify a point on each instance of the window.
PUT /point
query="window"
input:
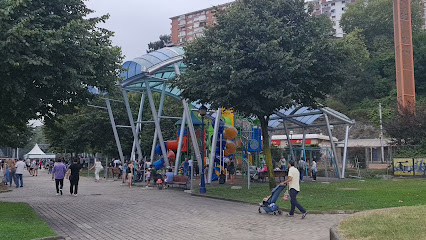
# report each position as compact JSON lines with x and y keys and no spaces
{"x":332,"y":4}
{"x":343,"y":1}
{"x":333,"y":10}
{"x":202,"y":24}
{"x":343,"y":9}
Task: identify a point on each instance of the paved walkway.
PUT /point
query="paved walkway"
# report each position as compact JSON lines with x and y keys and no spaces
{"x":107,"y":210}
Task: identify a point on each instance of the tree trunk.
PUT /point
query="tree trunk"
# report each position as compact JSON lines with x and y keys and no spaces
{"x":267,"y":151}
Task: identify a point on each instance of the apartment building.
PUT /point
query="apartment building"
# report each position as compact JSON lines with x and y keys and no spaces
{"x":334,"y":9}
{"x":188,"y":26}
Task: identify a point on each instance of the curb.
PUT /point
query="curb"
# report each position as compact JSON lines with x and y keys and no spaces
{"x":334,"y":233}
{"x":282,"y":209}
{"x":51,"y":238}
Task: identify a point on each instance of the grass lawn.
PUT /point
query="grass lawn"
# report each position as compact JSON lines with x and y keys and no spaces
{"x":19,"y":221}
{"x":397,"y":223}
{"x":341,"y":195}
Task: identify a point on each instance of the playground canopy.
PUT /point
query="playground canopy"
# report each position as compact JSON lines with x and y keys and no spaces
{"x":151,"y":72}
{"x":36,"y":152}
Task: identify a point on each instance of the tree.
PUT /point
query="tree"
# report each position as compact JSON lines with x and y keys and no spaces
{"x":50,"y":51}
{"x":164,"y":40}
{"x":407,"y":128}
{"x":262,"y":56}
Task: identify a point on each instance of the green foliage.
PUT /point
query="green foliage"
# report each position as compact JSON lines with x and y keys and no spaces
{"x":369,"y":24}
{"x":15,"y":135}
{"x":262,"y":56}
{"x":50,"y":51}
{"x":164,"y":40}
{"x":408,"y":128}
{"x":19,"y":221}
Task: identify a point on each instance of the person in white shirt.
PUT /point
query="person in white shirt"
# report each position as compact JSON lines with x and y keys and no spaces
{"x":293,"y":185}
{"x":314,"y":169}
{"x":190,"y":162}
{"x":20,"y":168}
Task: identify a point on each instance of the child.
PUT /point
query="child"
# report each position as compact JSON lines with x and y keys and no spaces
{"x":148,"y":176}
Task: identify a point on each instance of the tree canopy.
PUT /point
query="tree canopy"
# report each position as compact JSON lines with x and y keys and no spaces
{"x":50,"y":51}
{"x":164,"y":40}
{"x":262,"y":56}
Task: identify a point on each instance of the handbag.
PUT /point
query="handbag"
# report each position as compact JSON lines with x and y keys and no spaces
{"x":286,"y":196}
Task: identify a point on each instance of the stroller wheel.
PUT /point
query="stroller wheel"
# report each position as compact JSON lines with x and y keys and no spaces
{"x":259,"y":210}
{"x":279,"y":212}
{"x":275,"y":213}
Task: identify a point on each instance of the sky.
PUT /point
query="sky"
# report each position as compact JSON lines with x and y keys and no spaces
{"x":138,"y":22}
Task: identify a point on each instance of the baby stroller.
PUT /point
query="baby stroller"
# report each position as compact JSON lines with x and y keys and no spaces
{"x":269,"y":205}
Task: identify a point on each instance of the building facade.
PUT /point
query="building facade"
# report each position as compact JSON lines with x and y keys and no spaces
{"x":334,"y":9}
{"x":187,"y":27}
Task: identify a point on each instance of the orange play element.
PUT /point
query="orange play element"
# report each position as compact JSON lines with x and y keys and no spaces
{"x":171,"y":155}
{"x":173,"y":144}
{"x":231,"y":147}
{"x":230,"y":133}
{"x":403,"y":39}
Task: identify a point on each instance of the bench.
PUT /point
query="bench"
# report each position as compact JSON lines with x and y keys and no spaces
{"x":179,"y":180}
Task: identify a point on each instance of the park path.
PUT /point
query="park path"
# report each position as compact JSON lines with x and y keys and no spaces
{"x":107,"y":210}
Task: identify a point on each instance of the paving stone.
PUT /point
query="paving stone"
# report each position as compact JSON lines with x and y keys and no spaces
{"x":106,"y":210}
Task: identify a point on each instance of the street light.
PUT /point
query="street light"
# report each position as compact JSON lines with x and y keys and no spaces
{"x":202,"y":111}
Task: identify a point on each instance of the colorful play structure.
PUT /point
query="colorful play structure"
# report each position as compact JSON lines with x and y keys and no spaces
{"x":229,"y":136}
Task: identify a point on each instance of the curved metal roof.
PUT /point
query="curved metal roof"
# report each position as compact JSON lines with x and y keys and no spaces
{"x":305,"y":117}
{"x":152,"y":68}
{"x":156,"y":67}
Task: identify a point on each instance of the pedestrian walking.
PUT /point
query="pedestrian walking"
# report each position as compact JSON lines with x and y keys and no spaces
{"x":98,"y":167}
{"x":314,"y":170}
{"x":74,"y":176}
{"x":20,"y":169}
{"x":231,"y":170}
{"x":185,"y":165}
{"x":129,"y":172}
{"x":12,"y":170}
{"x":283,"y":163}
{"x":293,"y":185}
{"x":301,"y":167}
{"x":58,"y":174}
{"x":124,"y":172}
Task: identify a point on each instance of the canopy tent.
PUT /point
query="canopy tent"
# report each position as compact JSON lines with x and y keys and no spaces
{"x":36,"y":152}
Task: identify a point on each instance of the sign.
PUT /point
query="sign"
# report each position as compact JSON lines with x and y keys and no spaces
{"x":276,"y":142}
{"x":409,"y":166}
{"x":300,"y":141}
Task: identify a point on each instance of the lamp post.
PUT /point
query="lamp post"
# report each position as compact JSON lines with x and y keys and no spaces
{"x":291,"y":145}
{"x":202,"y":111}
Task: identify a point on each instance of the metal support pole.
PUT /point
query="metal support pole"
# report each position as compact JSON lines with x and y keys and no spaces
{"x":132,"y":124}
{"x":114,"y":129}
{"x":190,"y":125}
{"x":179,"y":149}
{"x":138,"y":127}
{"x":213,"y":150}
{"x":157,"y":124}
{"x":288,"y":140}
{"x":333,"y":147}
{"x":345,"y":151}
{"x":203,"y":183}
{"x":160,"y":111}
{"x":381,"y":134}
{"x":192,"y":132}
{"x":304,"y":153}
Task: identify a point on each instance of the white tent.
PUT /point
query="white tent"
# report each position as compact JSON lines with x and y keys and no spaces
{"x":36,"y":152}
